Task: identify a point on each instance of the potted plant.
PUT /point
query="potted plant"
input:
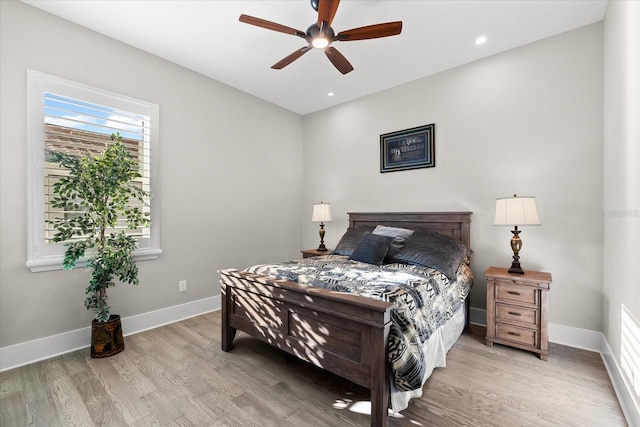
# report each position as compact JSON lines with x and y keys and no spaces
{"x":98,"y":192}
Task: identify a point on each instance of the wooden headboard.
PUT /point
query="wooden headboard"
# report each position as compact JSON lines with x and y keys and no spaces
{"x":452,"y":224}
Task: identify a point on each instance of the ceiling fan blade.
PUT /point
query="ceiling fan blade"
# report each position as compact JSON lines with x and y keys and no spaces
{"x":338,"y":60}
{"x":263,"y":23}
{"x":326,"y":12}
{"x":370,"y":32}
{"x":289,"y":59}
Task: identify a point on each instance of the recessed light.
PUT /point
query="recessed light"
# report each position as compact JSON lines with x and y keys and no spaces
{"x":481,"y":40}
{"x":330,"y":94}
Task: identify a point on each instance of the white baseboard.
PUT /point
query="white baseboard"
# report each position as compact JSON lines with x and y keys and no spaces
{"x":587,"y":340}
{"x":477,"y":316}
{"x":28,"y":352}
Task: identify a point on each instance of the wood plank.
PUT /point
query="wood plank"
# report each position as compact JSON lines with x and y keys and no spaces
{"x":262,"y":408}
{"x":40,"y":406}
{"x":125,"y":366}
{"x":12,"y":402}
{"x":65,"y":395}
{"x":103,"y":410}
{"x":118,"y":391}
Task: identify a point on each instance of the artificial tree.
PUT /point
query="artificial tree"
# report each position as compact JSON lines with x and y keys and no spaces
{"x":99,"y":191}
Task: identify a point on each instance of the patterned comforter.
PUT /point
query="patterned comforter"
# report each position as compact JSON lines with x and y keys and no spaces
{"x":423,"y":298}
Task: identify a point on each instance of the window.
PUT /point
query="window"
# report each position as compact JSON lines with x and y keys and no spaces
{"x":78,"y":119}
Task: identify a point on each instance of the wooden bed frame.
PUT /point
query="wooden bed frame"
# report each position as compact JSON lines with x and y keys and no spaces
{"x":343,"y":333}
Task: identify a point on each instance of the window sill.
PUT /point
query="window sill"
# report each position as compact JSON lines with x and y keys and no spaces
{"x":55,"y":262}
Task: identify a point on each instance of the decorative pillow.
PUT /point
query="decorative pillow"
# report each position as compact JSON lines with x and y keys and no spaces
{"x":400,"y":236}
{"x":372,"y":248}
{"x":430,"y":249}
{"x":349,"y":241}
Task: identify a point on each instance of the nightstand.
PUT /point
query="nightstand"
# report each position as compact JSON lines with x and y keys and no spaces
{"x":308,"y":253}
{"x":517,"y":309}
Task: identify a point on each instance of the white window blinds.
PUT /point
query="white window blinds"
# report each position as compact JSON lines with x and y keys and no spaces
{"x":80,"y":128}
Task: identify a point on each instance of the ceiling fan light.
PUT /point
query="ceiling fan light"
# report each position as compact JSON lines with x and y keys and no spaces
{"x":320,"y":42}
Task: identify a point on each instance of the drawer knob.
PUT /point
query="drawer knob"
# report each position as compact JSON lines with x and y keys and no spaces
{"x":514,"y":334}
{"x":515,"y":313}
{"x":513,"y":293}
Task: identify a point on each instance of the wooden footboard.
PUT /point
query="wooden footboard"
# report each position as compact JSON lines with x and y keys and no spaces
{"x":343,"y":333}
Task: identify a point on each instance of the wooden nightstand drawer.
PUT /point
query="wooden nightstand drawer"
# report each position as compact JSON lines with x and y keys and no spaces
{"x":517,"y":335}
{"x":511,"y":292}
{"x":511,"y":313}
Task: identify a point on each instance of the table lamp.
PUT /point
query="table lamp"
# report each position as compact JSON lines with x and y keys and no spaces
{"x":321,"y":214}
{"x":516,"y":211}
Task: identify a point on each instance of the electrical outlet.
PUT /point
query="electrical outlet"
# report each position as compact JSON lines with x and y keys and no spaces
{"x":182,"y":286}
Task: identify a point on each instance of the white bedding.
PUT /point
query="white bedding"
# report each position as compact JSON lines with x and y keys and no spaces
{"x":435,"y":349}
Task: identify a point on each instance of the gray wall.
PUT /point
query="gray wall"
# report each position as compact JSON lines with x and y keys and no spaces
{"x":526,"y":121}
{"x":621,"y":169}
{"x":230,"y":174}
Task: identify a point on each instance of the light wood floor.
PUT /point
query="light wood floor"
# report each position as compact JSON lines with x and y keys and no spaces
{"x":177,"y":375}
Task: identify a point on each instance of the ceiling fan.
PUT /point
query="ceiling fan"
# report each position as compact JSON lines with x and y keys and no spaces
{"x":320,"y":34}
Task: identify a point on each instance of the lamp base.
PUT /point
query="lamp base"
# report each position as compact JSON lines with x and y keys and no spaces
{"x":322,"y":247}
{"x":515,"y":268}
{"x":516,"y":245}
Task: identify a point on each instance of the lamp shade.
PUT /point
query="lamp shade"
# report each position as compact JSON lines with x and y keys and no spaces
{"x":516,"y":211}
{"x":321,"y":212}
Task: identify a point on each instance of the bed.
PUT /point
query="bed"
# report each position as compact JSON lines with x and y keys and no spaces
{"x":342,"y":332}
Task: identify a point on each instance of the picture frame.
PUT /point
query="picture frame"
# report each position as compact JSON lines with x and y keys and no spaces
{"x":407,"y":149}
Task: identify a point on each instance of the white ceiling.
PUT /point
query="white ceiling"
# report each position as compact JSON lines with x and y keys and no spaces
{"x":206,"y":36}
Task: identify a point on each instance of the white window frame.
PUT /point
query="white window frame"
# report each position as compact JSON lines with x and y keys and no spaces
{"x":44,"y":256}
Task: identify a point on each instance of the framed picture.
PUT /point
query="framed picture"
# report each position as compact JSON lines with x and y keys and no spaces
{"x":408,"y":149}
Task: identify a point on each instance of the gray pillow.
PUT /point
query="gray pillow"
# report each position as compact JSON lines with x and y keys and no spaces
{"x":349,"y":241}
{"x":372,"y":248}
{"x":400,"y":236}
{"x":430,"y":249}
